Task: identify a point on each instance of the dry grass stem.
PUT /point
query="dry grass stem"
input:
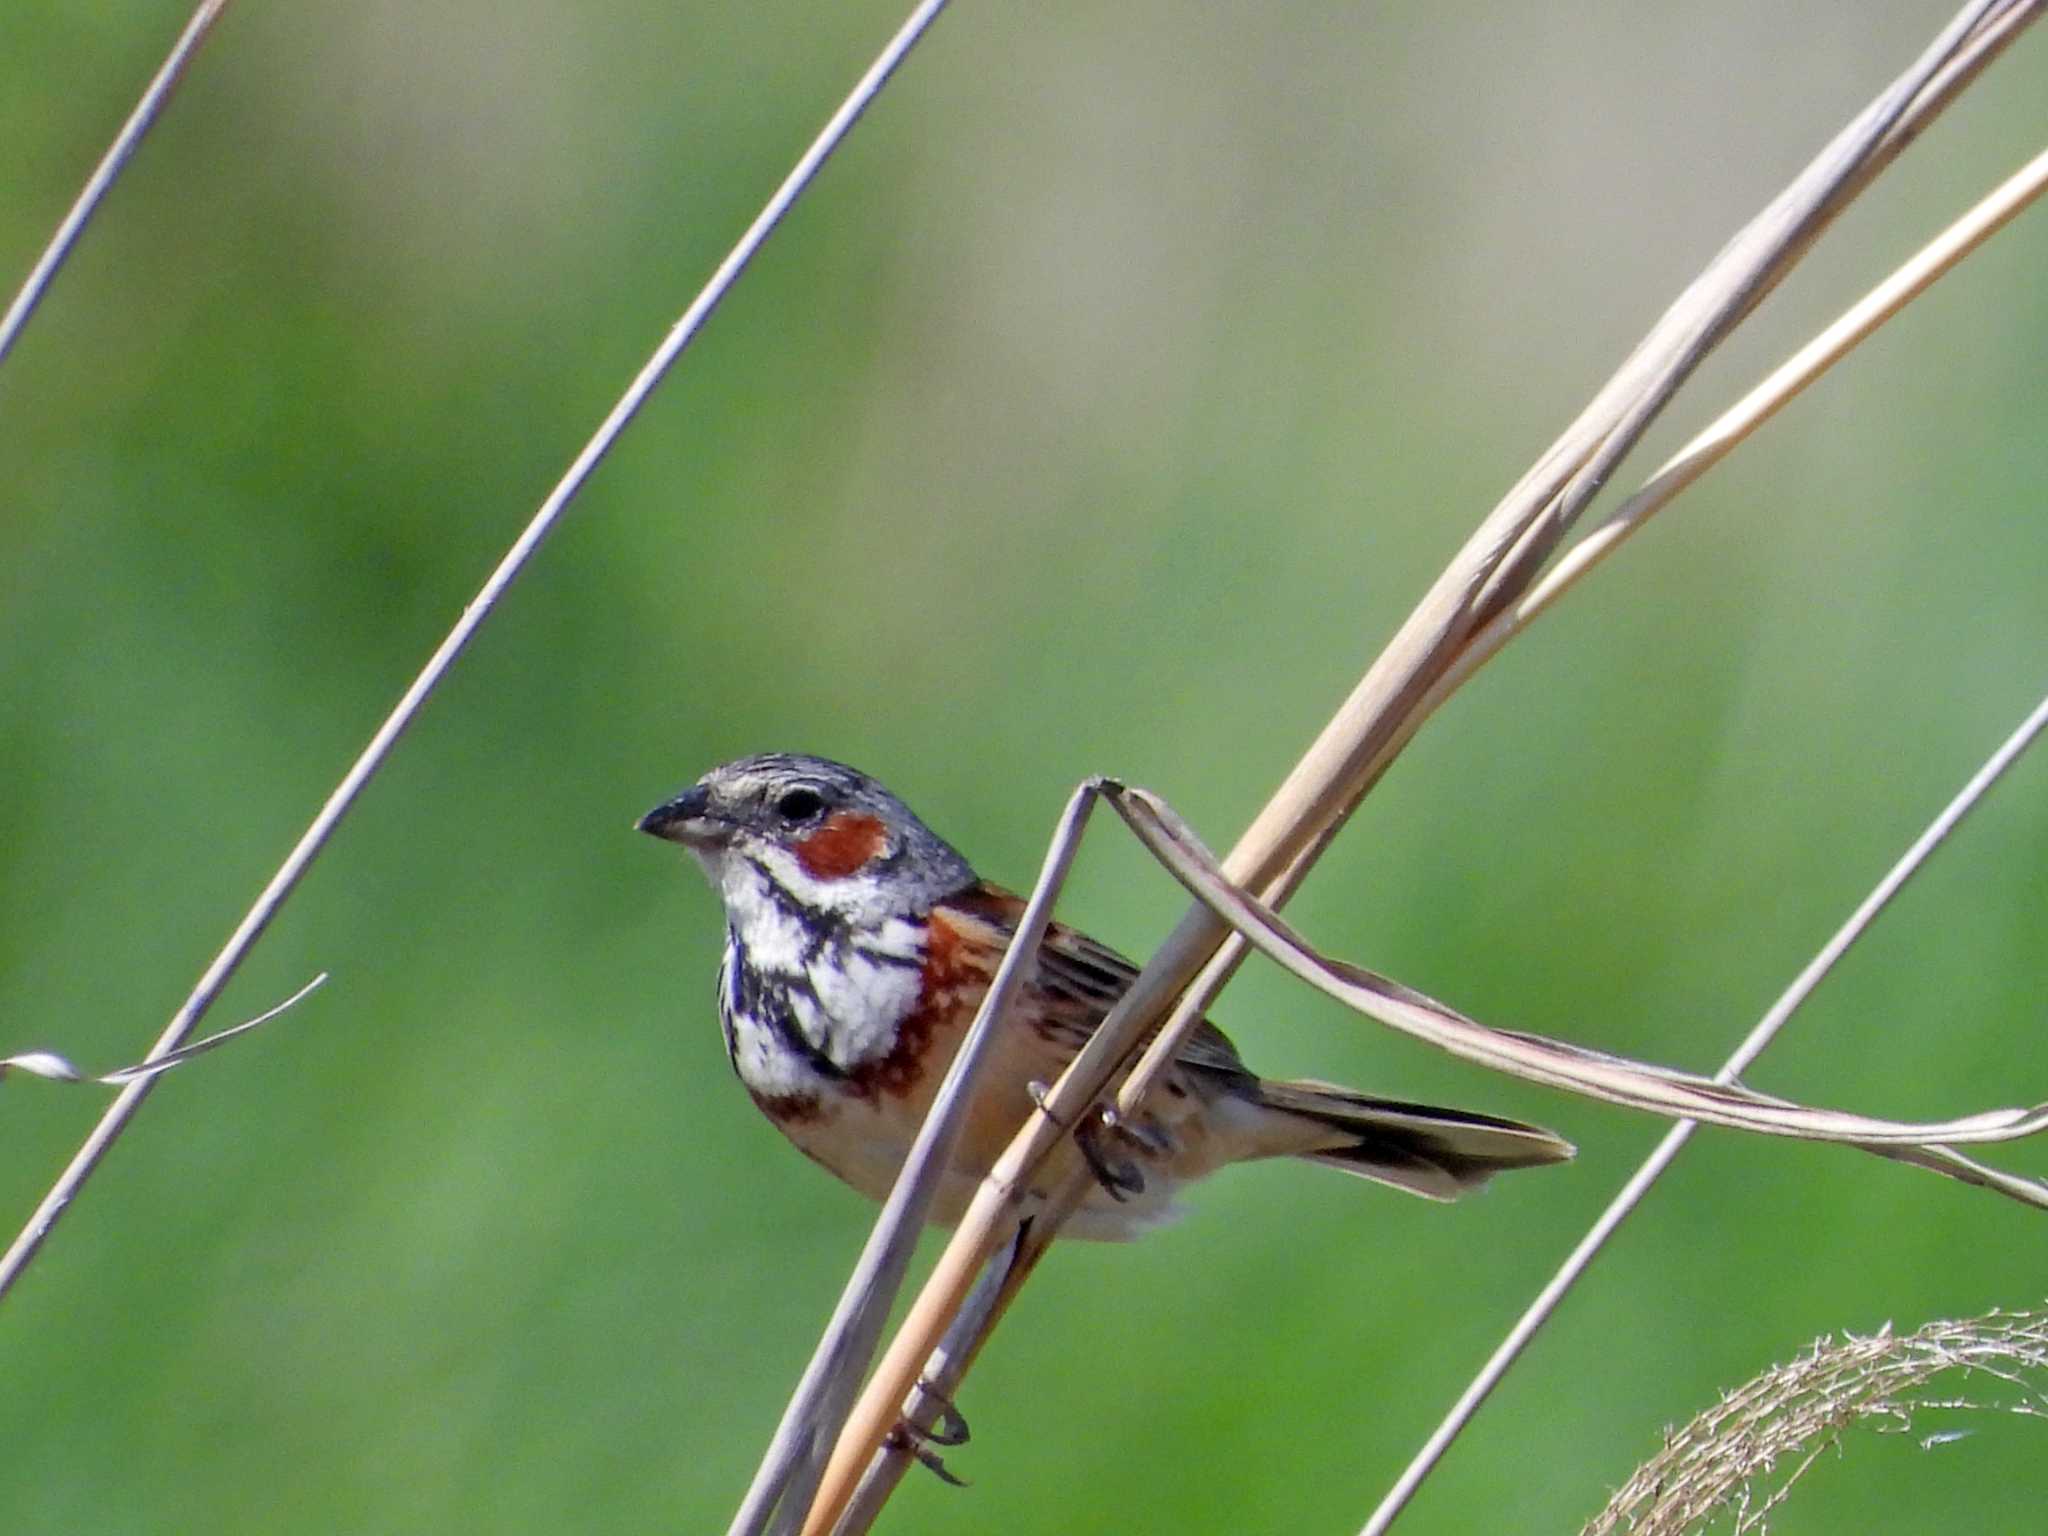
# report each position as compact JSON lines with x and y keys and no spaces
{"x":101,"y":182}
{"x":47,"y":1064}
{"x":1194,"y":864}
{"x":515,"y":560}
{"x":998,"y":1285}
{"x":1631,"y":1194}
{"x":1492,"y":571}
{"x":1717,"y":441}
{"x":795,"y":1459}
{"x":1982,"y":36}
{"x":1536,"y":1058}
{"x":1723,"y":1462}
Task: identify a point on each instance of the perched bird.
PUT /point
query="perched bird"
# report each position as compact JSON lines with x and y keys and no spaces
{"x":859,"y":945}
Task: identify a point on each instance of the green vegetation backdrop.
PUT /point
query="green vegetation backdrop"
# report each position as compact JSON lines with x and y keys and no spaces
{"x":1105,"y":409}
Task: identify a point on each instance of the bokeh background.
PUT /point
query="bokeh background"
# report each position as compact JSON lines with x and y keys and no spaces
{"x":1104,"y":409}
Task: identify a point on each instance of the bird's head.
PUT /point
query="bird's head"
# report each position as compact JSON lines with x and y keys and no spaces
{"x":817,"y":832}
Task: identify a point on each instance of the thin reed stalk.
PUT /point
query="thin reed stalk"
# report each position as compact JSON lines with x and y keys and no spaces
{"x":373,"y":756}
{"x":101,"y":182}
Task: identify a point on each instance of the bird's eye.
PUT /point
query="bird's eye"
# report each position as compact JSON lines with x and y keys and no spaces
{"x":799,"y":805}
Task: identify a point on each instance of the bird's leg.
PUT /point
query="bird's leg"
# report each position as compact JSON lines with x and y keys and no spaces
{"x":905,"y":1437}
{"x":949,"y":1429}
{"x":1119,"y":1176}
{"x":1142,"y":1132}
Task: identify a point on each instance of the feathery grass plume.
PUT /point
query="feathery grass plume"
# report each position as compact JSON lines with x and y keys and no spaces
{"x":1745,"y":1454}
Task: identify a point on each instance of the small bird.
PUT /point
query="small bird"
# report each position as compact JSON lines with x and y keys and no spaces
{"x":859,"y":945}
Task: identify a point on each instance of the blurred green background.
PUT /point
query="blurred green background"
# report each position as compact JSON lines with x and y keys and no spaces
{"x":1104,"y":409}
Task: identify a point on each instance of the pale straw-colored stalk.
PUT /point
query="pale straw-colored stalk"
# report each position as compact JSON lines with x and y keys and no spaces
{"x":1707,"y":449}
{"x":1493,"y":570}
{"x":795,"y":1459}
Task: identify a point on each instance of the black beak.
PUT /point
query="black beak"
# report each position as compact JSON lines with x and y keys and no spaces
{"x":681,"y":820}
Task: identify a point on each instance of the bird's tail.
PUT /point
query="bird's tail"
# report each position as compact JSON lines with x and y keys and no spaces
{"x":1439,"y":1154}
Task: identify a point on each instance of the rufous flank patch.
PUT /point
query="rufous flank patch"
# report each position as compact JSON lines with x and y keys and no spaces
{"x":956,"y":976}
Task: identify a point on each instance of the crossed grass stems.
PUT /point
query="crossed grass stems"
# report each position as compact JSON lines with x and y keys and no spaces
{"x":833,"y":1461}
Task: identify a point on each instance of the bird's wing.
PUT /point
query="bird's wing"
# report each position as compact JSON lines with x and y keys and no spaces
{"x":1079,"y":981}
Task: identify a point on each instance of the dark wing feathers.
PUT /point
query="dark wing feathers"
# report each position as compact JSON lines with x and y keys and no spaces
{"x":1081,"y":981}
{"x":1073,"y":964}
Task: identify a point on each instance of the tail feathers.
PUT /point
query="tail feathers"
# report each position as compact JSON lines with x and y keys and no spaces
{"x":1439,"y":1154}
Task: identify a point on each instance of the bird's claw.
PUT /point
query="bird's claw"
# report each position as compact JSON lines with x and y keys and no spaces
{"x":1041,"y":1095}
{"x":950,"y":1430}
{"x":932,"y":1461}
{"x":951,"y":1426}
{"x":1120,"y":1176}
